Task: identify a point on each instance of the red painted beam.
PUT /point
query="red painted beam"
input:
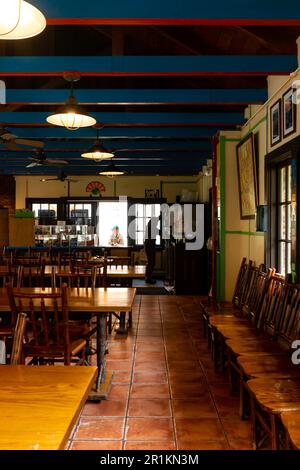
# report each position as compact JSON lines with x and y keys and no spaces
{"x":172,"y":21}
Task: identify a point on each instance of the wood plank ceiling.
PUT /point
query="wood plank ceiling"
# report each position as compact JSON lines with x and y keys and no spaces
{"x":160,"y":89}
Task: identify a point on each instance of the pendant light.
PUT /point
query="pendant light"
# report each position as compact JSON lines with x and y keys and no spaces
{"x":71,"y":115}
{"x":111,"y":170}
{"x":97,"y":152}
{"x":20,"y":20}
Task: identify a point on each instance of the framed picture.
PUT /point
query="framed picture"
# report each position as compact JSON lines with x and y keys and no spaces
{"x":289,"y":113}
{"x":275,"y":123}
{"x":247,"y":180}
{"x":152,"y":193}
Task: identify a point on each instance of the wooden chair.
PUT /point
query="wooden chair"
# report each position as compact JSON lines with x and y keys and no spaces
{"x":266,"y":352}
{"x":32,"y":273}
{"x":47,"y":336}
{"x":18,"y":340}
{"x":228,"y":324}
{"x":226,"y":308}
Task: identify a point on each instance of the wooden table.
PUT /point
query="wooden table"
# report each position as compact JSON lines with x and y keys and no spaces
{"x":40,"y":405}
{"x":94,"y":302}
{"x":291,"y":423}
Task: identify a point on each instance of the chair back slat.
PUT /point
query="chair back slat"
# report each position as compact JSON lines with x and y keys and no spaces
{"x":17,"y":347}
{"x":47,"y":333}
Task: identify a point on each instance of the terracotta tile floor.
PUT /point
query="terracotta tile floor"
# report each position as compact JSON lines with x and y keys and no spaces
{"x":165,"y":394}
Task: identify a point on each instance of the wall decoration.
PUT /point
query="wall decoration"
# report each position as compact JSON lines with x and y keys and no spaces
{"x":275,"y":123}
{"x":289,"y":113}
{"x":152,"y":193}
{"x":95,"y":188}
{"x":247,"y":180}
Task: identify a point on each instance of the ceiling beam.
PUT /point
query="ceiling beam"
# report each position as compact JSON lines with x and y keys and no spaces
{"x":135,"y":118}
{"x":138,"y":96}
{"x":168,"y":9}
{"x":221,"y":65}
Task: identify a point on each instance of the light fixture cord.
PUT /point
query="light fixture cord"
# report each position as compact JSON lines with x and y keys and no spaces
{"x":18,"y":21}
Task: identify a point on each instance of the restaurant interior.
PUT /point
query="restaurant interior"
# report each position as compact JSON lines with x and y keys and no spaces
{"x":149,"y":255}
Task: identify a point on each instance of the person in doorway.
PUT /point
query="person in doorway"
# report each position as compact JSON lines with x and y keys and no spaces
{"x":150,"y":241}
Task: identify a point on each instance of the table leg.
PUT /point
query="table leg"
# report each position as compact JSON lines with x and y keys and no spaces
{"x":103,"y":381}
{"x":101,"y":348}
{"x":122,"y":326}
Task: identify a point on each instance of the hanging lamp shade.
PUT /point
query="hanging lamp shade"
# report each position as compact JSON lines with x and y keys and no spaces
{"x":111,"y":170}
{"x":97,"y":152}
{"x":71,"y":115}
{"x":20,"y":20}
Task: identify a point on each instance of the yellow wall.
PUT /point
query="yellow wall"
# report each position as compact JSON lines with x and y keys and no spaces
{"x":134,"y":186}
{"x":240,"y":236}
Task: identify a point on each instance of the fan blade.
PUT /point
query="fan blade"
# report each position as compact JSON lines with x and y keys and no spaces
{"x":31,"y":165}
{"x":12,"y":146}
{"x":56,"y":161}
{"x":49,"y":179}
{"x":30,"y":143}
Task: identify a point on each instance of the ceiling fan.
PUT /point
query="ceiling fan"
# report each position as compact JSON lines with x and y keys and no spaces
{"x":41,"y":160}
{"x":62,"y":177}
{"x":12,"y":141}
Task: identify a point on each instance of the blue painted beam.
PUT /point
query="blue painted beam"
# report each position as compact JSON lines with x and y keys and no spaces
{"x":74,"y":157}
{"x":120,"y":146}
{"x":147,"y":65}
{"x":109,"y":132}
{"x":169,"y":9}
{"x":114,"y":96}
{"x":134,"y":118}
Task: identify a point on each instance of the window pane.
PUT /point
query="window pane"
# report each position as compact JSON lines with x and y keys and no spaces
{"x":140,"y":238}
{"x":282,"y":257}
{"x":283,"y":184}
{"x":289,"y":179}
{"x":140,"y":210}
{"x":140,"y":225}
{"x":289,"y":258}
{"x":36,"y":208}
{"x":289,"y":227}
{"x":282,"y":222}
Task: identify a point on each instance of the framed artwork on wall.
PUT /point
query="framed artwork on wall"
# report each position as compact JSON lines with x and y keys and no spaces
{"x":289,"y":113}
{"x":247,"y":179}
{"x":275,"y":122}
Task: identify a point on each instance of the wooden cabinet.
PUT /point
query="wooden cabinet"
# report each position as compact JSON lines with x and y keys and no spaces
{"x":4,"y":239}
{"x":188,"y":270}
{"x":21,"y":231}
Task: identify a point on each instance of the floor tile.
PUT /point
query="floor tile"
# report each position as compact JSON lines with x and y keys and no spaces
{"x":150,"y":377}
{"x":155,"y":445}
{"x":194,"y":408}
{"x":150,"y":391}
{"x":149,"y":407}
{"x":202,"y":445}
{"x":96,"y":445}
{"x":105,"y":408}
{"x":199,"y":429}
{"x":147,"y":429}
{"x":105,"y":429}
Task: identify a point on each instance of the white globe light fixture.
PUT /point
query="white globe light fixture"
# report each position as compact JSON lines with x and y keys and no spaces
{"x":20,"y":20}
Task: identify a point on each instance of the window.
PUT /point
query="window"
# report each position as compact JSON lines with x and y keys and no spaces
{"x":44,"y":210}
{"x":143,"y":213}
{"x":113,"y":223}
{"x":284,"y":217}
{"x":80,"y":213}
